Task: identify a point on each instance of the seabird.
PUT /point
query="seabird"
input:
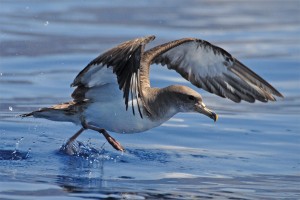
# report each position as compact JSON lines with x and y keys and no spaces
{"x":113,"y":91}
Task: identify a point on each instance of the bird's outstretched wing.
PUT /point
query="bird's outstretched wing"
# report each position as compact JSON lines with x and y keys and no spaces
{"x":120,"y":64}
{"x":213,"y":69}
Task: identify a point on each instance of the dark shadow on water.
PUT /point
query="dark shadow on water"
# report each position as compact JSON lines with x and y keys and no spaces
{"x":13,"y":155}
{"x":183,"y":188}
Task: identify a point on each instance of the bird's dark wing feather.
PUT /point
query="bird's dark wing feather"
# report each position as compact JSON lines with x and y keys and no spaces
{"x":214,"y":69}
{"x":122,"y":61}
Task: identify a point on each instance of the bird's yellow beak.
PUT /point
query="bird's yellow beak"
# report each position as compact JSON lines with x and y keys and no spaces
{"x":201,"y":108}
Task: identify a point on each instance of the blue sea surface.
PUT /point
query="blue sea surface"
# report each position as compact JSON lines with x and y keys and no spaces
{"x":251,"y":152}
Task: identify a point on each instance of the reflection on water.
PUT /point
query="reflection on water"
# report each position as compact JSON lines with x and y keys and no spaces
{"x":250,"y":153}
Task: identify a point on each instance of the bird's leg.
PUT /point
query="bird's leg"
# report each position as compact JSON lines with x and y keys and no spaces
{"x":70,"y":147}
{"x":71,"y":139}
{"x":114,"y":143}
{"x":112,"y":140}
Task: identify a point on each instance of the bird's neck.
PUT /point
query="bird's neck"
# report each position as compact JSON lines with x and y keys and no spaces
{"x":160,"y":103}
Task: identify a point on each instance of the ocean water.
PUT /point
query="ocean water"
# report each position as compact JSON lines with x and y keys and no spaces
{"x":251,"y":152}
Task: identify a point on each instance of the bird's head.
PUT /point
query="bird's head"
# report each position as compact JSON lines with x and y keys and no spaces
{"x":188,"y":100}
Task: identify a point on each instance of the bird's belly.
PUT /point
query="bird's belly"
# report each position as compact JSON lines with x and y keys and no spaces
{"x":113,"y":116}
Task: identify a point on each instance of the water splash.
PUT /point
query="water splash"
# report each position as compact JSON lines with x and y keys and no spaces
{"x":15,"y":154}
{"x":89,"y":153}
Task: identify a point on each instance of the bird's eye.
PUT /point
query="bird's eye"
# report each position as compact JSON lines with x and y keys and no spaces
{"x":192,"y":98}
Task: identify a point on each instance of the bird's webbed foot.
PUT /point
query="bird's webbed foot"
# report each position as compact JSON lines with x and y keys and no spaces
{"x":112,"y":141}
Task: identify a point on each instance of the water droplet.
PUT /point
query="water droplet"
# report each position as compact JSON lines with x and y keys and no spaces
{"x":18,"y":142}
{"x":46,"y":23}
{"x":10,"y":108}
{"x":28,"y":152}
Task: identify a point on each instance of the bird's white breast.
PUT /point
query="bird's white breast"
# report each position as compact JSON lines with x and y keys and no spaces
{"x":108,"y":111}
{"x":112,"y":116}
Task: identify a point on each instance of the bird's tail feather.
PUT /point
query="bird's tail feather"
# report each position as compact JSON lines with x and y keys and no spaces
{"x":61,"y":112}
